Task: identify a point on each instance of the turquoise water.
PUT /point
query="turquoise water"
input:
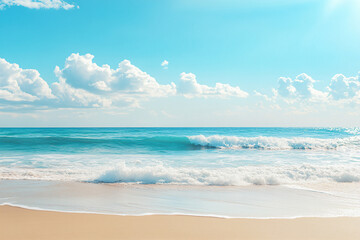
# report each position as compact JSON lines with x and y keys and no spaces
{"x":188,"y":156}
{"x":154,"y":140}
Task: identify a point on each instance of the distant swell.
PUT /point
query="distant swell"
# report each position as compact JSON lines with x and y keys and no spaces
{"x":126,"y":142}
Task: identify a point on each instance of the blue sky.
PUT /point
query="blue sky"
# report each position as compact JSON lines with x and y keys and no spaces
{"x":246,"y":44}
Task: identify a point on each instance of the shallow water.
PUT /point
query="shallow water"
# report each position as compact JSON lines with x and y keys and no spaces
{"x":123,"y":199}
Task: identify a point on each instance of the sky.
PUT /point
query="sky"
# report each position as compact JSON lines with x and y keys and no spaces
{"x":179,"y":63}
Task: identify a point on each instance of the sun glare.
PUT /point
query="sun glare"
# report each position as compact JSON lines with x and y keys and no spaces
{"x":333,"y":5}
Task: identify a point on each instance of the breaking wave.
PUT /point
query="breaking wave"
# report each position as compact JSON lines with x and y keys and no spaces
{"x":159,"y":174}
{"x":240,"y":176}
{"x":275,"y":143}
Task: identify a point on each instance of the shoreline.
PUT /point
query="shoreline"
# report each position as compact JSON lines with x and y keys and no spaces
{"x":169,"y":214}
{"x":20,"y":223}
{"x":259,"y":202}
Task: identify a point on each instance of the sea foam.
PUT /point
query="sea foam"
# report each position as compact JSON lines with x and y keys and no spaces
{"x":240,"y":176}
{"x":159,"y":174}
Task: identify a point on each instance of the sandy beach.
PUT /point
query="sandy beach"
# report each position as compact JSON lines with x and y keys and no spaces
{"x":18,"y":223}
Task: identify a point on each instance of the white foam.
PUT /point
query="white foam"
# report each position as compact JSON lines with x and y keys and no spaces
{"x":240,"y":176}
{"x":275,"y":143}
{"x":58,"y":174}
{"x":159,"y":174}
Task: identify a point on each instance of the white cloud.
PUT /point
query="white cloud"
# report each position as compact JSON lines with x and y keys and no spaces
{"x":37,"y":4}
{"x":266,"y":97}
{"x":72,"y":97}
{"x":81,"y":72}
{"x":131,"y":79}
{"x":83,"y":83}
{"x":342,"y":87}
{"x":189,"y":87}
{"x":302,"y":87}
{"x":165,"y":64}
{"x":341,"y":90}
{"x":22,"y":85}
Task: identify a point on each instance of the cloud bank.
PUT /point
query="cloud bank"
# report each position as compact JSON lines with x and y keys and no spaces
{"x":81,"y":83}
{"x":84,"y":84}
{"x":37,"y":4}
{"x":340,"y":90}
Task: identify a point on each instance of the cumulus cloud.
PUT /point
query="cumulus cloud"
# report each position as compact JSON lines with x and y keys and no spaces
{"x":341,"y":90}
{"x":37,"y":4}
{"x":165,"y":64}
{"x":83,"y":83}
{"x":302,"y":87}
{"x":266,"y":97}
{"x":81,"y":72}
{"x":71,"y":97}
{"x":342,"y":87}
{"x":22,"y":85}
{"x":189,"y":87}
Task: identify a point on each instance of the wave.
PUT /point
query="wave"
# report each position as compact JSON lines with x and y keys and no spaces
{"x":240,"y":176}
{"x":197,"y":142}
{"x":159,"y":174}
{"x":275,"y":143}
{"x":156,"y":143}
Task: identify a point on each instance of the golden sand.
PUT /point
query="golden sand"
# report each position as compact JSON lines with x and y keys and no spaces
{"x":17,"y":224}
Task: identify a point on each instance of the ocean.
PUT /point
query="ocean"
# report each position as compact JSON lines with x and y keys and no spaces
{"x":226,"y":172}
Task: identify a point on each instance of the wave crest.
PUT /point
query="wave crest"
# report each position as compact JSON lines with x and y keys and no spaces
{"x":274,"y":143}
{"x":240,"y":176}
{"x":159,"y":174}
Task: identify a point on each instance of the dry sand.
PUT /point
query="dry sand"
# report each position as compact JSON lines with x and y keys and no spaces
{"x":17,"y":223}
